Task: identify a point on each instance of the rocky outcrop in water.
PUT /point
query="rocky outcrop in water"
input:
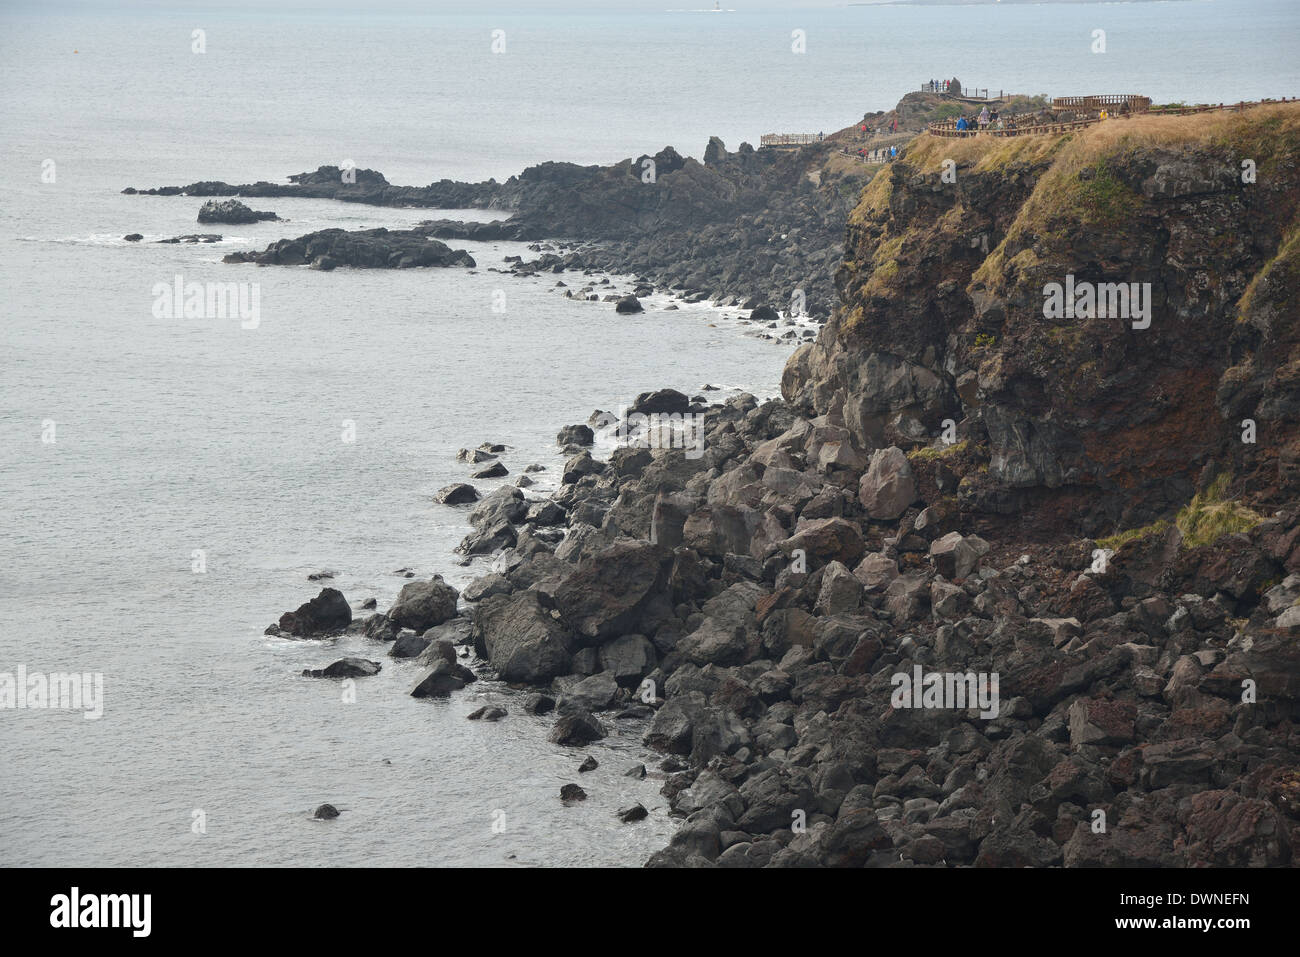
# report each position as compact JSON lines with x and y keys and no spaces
{"x":232,"y":212}
{"x":345,"y":668}
{"x":327,"y":613}
{"x":350,"y":185}
{"x":363,"y":249}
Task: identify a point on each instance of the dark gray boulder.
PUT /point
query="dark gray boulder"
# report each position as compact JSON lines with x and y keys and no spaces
{"x":636,"y":812}
{"x":605,"y":595}
{"x":421,"y":605}
{"x":380,"y":628}
{"x":345,"y":668}
{"x":486,"y":586}
{"x":578,"y":466}
{"x":505,"y":504}
{"x":408,"y":645}
{"x":489,"y":539}
{"x":437,"y":649}
{"x":538,"y":703}
{"x":661,"y":400}
{"x":521,"y":638}
{"x":327,"y":613}
{"x":460,"y":493}
{"x":443,"y":678}
{"x":575,"y":435}
{"x":628,"y":659}
{"x":595,"y":693}
{"x":575,"y":728}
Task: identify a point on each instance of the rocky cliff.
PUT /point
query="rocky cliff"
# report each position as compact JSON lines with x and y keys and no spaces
{"x":1077,"y":425}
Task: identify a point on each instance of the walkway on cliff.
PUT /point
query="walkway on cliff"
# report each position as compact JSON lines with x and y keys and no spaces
{"x":1085,"y":111}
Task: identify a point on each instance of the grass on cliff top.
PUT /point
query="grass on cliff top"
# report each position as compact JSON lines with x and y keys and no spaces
{"x":1209,"y":515}
{"x":1269,"y":135}
{"x":1063,"y":201}
{"x":927,"y":154}
{"x":983,"y":153}
{"x":1266,"y":134}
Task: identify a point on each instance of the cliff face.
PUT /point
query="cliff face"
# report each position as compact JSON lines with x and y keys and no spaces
{"x":1077,"y":425}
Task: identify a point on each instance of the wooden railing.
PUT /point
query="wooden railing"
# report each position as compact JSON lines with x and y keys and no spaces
{"x":1106,"y":101}
{"x":787,"y":139}
{"x":949,"y":128}
{"x":1211,"y":108}
{"x":965,"y":92}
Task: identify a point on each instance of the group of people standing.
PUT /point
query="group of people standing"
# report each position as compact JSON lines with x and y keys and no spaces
{"x":987,"y":119}
{"x":940,"y":86}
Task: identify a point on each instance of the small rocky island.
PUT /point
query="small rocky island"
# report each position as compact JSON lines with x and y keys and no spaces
{"x":232,"y":212}
{"x":363,"y":249}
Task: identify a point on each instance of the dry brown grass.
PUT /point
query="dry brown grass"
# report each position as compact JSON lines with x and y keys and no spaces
{"x":981,"y":153}
{"x":1194,"y":129}
{"x":1063,"y":200}
{"x":1090,"y":143}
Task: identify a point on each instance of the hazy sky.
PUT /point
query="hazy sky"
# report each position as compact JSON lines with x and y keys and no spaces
{"x":416,"y":6}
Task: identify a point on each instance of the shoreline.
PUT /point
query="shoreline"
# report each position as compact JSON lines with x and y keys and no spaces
{"x":949,"y":494}
{"x":368,"y":623}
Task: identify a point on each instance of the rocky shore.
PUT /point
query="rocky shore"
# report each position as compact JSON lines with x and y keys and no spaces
{"x":749,"y":226}
{"x":983,"y":588}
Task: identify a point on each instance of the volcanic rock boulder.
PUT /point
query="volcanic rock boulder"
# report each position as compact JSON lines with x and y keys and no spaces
{"x":345,"y":668}
{"x":522,"y":638}
{"x":325,"y":614}
{"x":422,"y":605}
{"x":887,"y":488}
{"x":603,"y":597}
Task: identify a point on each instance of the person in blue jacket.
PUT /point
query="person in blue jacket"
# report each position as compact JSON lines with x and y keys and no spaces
{"x":962,"y":124}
